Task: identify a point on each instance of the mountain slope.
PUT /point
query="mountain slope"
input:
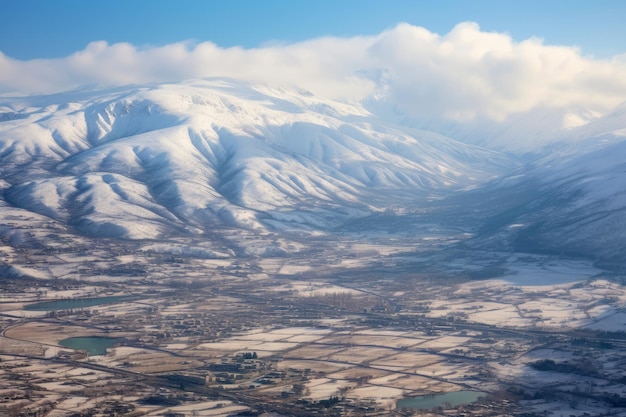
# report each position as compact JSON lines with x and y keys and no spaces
{"x":571,"y":200}
{"x":144,"y":162}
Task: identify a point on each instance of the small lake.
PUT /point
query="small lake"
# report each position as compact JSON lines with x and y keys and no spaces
{"x":453,"y":399}
{"x":75,"y":303}
{"x":94,"y":345}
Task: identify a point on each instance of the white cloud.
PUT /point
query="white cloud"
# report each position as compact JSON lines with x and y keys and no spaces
{"x":466,"y":76}
{"x":469,"y":73}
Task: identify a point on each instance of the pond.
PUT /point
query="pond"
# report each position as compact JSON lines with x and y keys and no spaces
{"x":72,"y":303}
{"x":94,"y":345}
{"x":451,"y":399}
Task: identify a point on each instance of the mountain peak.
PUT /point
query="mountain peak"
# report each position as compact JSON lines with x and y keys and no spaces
{"x":148,"y":160}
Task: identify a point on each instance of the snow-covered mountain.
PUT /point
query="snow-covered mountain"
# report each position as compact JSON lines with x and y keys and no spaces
{"x":148,"y":162}
{"x":571,"y":199}
{"x":145,"y":162}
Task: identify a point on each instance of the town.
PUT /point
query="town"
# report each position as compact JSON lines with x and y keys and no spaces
{"x":355,"y":328}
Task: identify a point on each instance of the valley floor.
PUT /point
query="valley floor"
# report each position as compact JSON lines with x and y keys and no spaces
{"x":347,"y":327}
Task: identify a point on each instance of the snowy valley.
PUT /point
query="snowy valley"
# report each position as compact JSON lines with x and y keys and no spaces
{"x":255,"y":249}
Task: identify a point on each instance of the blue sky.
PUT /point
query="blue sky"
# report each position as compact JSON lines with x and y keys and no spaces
{"x":56,"y":28}
{"x":480,"y":63}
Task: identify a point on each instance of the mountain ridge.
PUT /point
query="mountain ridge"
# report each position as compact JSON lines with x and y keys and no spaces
{"x":149,"y":162}
{"x":138,"y":162}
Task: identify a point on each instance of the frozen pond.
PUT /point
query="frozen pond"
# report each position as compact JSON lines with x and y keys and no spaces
{"x":450,"y":399}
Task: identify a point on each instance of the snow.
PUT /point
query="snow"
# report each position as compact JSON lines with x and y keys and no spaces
{"x":548,"y":271}
{"x":611,"y":320}
{"x":146,"y":162}
{"x":140,"y":162}
{"x":205,"y":409}
{"x":185,"y":250}
{"x":323,"y":388}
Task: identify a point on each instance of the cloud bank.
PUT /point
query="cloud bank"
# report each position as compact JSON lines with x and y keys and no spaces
{"x":466,"y":76}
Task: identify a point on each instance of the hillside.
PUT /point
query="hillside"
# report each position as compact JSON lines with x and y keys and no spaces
{"x":145,"y":162}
